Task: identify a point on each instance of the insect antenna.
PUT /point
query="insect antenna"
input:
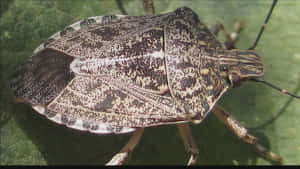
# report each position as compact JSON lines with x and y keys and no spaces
{"x":263,"y":26}
{"x":283,"y":91}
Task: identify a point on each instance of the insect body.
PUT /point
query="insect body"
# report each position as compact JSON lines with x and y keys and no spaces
{"x":118,"y":74}
{"x":150,"y":70}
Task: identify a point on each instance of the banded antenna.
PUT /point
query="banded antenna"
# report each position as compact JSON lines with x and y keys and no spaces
{"x":283,"y":91}
{"x":262,"y":28}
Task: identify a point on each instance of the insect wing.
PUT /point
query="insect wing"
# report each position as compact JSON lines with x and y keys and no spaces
{"x":102,"y":101}
{"x":101,"y":38}
{"x":42,"y":78}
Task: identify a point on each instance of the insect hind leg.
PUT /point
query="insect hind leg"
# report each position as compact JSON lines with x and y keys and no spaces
{"x":121,"y":157}
{"x":243,"y":134}
{"x":189,"y":142}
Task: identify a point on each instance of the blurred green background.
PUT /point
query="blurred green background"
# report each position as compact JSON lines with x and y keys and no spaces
{"x":27,"y":138}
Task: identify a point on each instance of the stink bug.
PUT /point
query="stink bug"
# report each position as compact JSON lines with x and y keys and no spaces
{"x":117,"y":74}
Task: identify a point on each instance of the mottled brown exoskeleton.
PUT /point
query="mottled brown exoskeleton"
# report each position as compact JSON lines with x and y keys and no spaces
{"x":120,"y":74}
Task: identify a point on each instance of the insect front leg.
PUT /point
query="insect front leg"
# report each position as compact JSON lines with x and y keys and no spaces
{"x":243,"y":134}
{"x":120,"y":158}
{"x":231,"y":38}
{"x":189,"y":142}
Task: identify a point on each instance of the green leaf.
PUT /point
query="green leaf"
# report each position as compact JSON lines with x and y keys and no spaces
{"x":27,"y":138}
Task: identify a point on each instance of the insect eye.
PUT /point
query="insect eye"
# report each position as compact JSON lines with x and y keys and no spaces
{"x":223,"y":68}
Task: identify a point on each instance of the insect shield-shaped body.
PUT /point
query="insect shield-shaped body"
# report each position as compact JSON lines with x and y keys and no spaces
{"x":112,"y":74}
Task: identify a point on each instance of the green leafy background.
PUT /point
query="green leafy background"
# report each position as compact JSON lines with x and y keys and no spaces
{"x":27,"y":138}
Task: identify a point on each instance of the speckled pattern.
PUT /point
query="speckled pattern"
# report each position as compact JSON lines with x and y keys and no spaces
{"x":112,"y":74}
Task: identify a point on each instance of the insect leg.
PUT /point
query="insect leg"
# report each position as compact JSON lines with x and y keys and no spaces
{"x":230,"y":38}
{"x":243,"y":134}
{"x":19,"y":100}
{"x":149,"y":7}
{"x":120,"y":158}
{"x":189,"y":142}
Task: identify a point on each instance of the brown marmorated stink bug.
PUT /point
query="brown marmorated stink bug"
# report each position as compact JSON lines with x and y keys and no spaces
{"x":120,"y":74}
